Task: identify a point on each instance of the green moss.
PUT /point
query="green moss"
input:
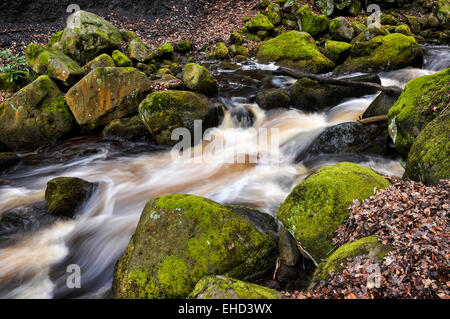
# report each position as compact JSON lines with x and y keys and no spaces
{"x":259,"y":23}
{"x":319,"y":205}
{"x":273,"y":12}
{"x":101,"y":61}
{"x":403,"y":29}
{"x":365,"y":246}
{"x":220,"y":52}
{"x":165,"y":50}
{"x":235,"y":38}
{"x":221,"y":287}
{"x":239,"y":50}
{"x":311,"y":23}
{"x":121,"y":59}
{"x":294,"y":49}
{"x":199,"y":79}
{"x":184,"y":46}
{"x":421,"y":101}
{"x":334,"y":50}
{"x":54,"y":39}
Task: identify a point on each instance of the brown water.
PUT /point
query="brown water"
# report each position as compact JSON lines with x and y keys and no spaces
{"x":34,"y":266}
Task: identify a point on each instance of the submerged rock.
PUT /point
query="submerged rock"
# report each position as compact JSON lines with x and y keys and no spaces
{"x":221,"y":287}
{"x":35,"y":116}
{"x":319,"y":205}
{"x":198,"y":78}
{"x":66,"y":195}
{"x":106,"y":94}
{"x":182,"y":238}
{"x":296,"y":50}
{"x":421,"y":101}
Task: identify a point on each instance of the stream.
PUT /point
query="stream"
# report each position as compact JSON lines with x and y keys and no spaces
{"x":33,"y":263}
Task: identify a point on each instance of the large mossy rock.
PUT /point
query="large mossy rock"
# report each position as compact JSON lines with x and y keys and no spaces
{"x":296,"y":50}
{"x":121,"y":59}
{"x":273,"y":12}
{"x":198,"y":78}
{"x":259,"y":23}
{"x":349,"y":137}
{"x":8,"y":159}
{"x":127,"y":129}
{"x":367,"y":246}
{"x":182,"y":238}
{"x":370,"y":32}
{"x":87,"y":35}
{"x":275,"y":98}
{"x":310,"y":23}
{"x":429,"y":157}
{"x":35,"y":116}
{"x":421,"y":101}
{"x":337,"y":51}
{"x":106,"y":94}
{"x":221,"y":287}
{"x":164,"y":111}
{"x":139,"y":51}
{"x":382,"y":53}
{"x":53,"y":63}
{"x":319,"y":205}
{"x":66,"y":195}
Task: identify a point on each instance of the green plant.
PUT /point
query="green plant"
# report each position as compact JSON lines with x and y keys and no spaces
{"x":13,"y":65}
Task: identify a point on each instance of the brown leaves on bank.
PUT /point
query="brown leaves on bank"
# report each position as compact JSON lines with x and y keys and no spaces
{"x":413,"y":219}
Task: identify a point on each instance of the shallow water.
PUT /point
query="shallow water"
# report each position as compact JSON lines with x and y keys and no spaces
{"x":129,"y":174}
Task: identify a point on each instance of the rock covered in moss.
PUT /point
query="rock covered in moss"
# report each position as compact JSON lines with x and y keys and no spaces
{"x":325,"y":6}
{"x":55,"y":64}
{"x":310,"y":23}
{"x":182,"y":238}
{"x":8,"y":159}
{"x":403,"y":29}
{"x":121,"y":60}
{"x":183,"y":46}
{"x":235,"y":38}
{"x":273,"y":99}
{"x":87,"y":35}
{"x":414,"y":24}
{"x":127,"y":129}
{"x":53,"y":43}
{"x":319,"y":205}
{"x":164,"y":111}
{"x":367,"y":246}
{"x":259,"y":23}
{"x":139,"y":51}
{"x":66,"y":195}
{"x":382,"y":53}
{"x":429,"y":158}
{"x":341,"y":29}
{"x":421,"y":101}
{"x":294,"y":49}
{"x":35,"y":116}
{"x":388,"y":19}
{"x":273,"y":13}
{"x":221,"y":287}
{"x":239,"y":50}
{"x":101,"y":61}
{"x":107,"y":94}
{"x":220,"y":52}
{"x":380,"y":106}
{"x":198,"y":78}
{"x":355,"y":8}
{"x":337,"y":51}
{"x":372,"y":31}
{"x":442,"y":11}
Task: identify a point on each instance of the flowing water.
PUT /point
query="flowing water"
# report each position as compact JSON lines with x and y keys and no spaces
{"x":33,"y":264}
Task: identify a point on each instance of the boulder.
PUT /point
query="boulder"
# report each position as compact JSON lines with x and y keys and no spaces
{"x":403,"y":29}
{"x":325,"y":6}
{"x":198,"y":78}
{"x":139,"y":51}
{"x":442,"y":11}
{"x":341,"y":29}
{"x":66,"y":195}
{"x":101,"y":61}
{"x":259,"y":23}
{"x":337,"y":51}
{"x":429,"y":158}
{"x":388,"y":19}
{"x":121,"y":60}
{"x":182,"y":238}
{"x":372,"y":31}
{"x":106,"y":94}
{"x":8,"y":159}
{"x":273,"y":12}
{"x":164,"y":111}
{"x":355,"y":8}
{"x":382,"y":53}
{"x":127,"y":129}
{"x":273,"y":99}
{"x":53,"y":63}
{"x":239,"y":50}
{"x":349,"y":137}
{"x":235,"y":38}
{"x":220,"y":52}
{"x":35,"y":116}
{"x":319,"y":205}
{"x":184,"y":46}
{"x":87,"y":35}
{"x":380,"y":106}
{"x":165,"y":51}
{"x":221,"y":287}
{"x":414,"y":24}
{"x":310,"y":23}
{"x":422,"y":100}
{"x":296,"y":50}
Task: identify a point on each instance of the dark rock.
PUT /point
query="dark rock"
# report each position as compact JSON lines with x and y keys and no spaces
{"x":273,"y":99}
{"x":380,"y":106}
{"x":127,"y":129}
{"x":8,"y":159}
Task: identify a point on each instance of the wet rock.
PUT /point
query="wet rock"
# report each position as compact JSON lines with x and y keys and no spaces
{"x":177,"y":242}
{"x":273,"y":99}
{"x":319,"y":205}
{"x":260,"y":220}
{"x":197,"y":78}
{"x":221,"y":287}
{"x":107,"y":94}
{"x":35,"y":116}
{"x":66,"y":195}
{"x":127,"y":129}
{"x":8,"y":159}
{"x":380,"y":106}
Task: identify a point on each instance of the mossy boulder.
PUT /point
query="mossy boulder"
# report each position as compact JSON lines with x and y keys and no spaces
{"x":341,"y":29}
{"x":221,"y":287}
{"x":429,"y":158}
{"x":414,"y":24}
{"x":273,"y":12}
{"x":423,"y":99}
{"x":165,"y":51}
{"x":372,"y":31}
{"x":35,"y":116}
{"x":101,"y":61}
{"x":319,"y":205}
{"x":53,"y":43}
{"x":325,"y":6}
{"x":273,"y":99}
{"x":235,"y":38}
{"x":259,"y":23}
{"x":310,"y":23}
{"x":182,"y":238}
{"x":87,"y":35}
{"x":139,"y":51}
{"x":55,"y":64}
{"x":367,"y":246}
{"x":337,"y":51}
{"x":198,"y":78}
{"x":121,"y":60}
{"x":8,"y":159}
{"x":183,"y":46}
{"x":164,"y":111}
{"x":127,"y":35}
{"x":239,"y":50}
{"x":106,"y":94}
{"x":66,"y":195}
{"x":403,"y":29}
{"x":388,"y":19}
{"x":127,"y":129}
{"x":296,"y":50}
{"x":220,"y":52}
{"x":354,"y":9}
{"x":382,"y":53}
{"x":442,"y":11}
